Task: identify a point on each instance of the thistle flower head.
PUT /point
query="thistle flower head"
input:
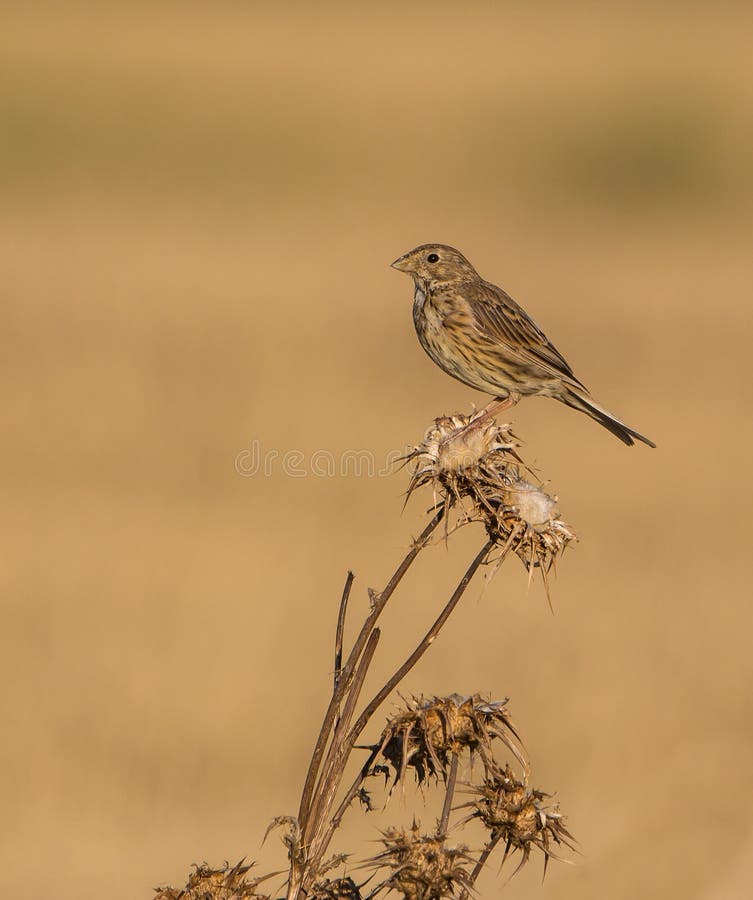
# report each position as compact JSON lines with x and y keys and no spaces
{"x":422,"y":867}
{"x":526,"y":519}
{"x":227,"y":883}
{"x":478,"y":471}
{"x":335,"y":889}
{"x":429,"y":731}
{"x":519,"y":815}
{"x":450,"y":455}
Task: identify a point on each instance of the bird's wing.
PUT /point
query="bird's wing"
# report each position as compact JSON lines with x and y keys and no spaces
{"x":501,"y":320}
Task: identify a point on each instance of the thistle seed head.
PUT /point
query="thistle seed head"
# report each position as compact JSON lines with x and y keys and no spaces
{"x":335,"y":889}
{"x":478,"y":472}
{"x":423,"y":866}
{"x":426,"y":734}
{"x":447,"y":451}
{"x":205,"y":883}
{"x":525,"y":519}
{"x":519,"y":815}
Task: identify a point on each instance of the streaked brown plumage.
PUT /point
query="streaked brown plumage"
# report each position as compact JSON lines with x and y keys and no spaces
{"x":478,"y":334}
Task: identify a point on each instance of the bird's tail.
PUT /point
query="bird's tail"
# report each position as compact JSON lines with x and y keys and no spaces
{"x":585,"y":404}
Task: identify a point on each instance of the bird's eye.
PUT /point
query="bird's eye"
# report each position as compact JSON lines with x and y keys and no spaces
{"x":432,"y":258}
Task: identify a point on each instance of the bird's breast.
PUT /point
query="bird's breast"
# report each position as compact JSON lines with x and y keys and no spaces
{"x":445,"y":330}
{"x":419,"y":300}
{"x":426,"y":317}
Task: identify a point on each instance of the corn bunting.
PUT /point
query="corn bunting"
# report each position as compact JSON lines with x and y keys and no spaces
{"x":478,"y":334}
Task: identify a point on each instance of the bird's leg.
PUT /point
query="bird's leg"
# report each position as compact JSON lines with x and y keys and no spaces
{"x":488,"y":412}
{"x":491,"y":409}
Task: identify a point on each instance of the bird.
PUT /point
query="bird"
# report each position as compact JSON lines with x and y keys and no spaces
{"x":477,"y":333}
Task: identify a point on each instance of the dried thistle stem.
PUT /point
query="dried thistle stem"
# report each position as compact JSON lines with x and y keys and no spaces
{"x":485,"y":854}
{"x":348,"y":670}
{"x":339,"y":633}
{"x":319,"y":845}
{"x":341,"y":628}
{"x":299,"y":863}
{"x":336,"y":755}
{"x":425,"y":643}
{"x":449,"y":794}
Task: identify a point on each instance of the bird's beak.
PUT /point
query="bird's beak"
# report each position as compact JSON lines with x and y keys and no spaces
{"x":402,"y":264}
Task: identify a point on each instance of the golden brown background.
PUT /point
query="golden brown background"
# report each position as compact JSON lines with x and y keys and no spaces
{"x":199,"y":203}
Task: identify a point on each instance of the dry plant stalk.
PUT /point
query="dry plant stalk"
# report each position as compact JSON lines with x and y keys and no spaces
{"x":476,"y":476}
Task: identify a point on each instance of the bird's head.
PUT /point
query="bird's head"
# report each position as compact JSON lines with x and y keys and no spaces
{"x":432,"y":264}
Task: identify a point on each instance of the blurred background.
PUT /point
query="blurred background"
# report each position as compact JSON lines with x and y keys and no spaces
{"x":199,"y":206}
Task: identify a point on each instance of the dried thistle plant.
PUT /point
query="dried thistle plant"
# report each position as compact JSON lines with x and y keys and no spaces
{"x":478,"y":472}
{"x":429,"y":734}
{"x":475,"y":477}
{"x":422,"y":866}
{"x":335,"y":889}
{"x":518,"y":815}
{"x":227,"y":883}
